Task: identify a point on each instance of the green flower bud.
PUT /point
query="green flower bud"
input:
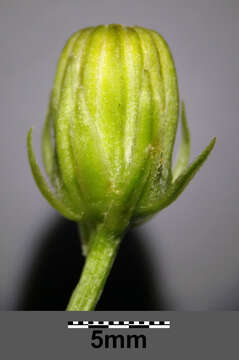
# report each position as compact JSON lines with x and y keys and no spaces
{"x":110,"y":129}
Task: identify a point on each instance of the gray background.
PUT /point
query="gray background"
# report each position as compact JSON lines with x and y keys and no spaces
{"x":193,"y":245}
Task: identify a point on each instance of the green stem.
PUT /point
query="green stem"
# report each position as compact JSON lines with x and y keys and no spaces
{"x":100,"y":258}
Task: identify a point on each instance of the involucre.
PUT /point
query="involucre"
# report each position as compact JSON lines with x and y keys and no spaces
{"x":108,"y":141}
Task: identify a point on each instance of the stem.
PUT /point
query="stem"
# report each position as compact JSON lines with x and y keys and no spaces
{"x":101,"y":255}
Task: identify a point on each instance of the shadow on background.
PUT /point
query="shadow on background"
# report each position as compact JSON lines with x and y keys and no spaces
{"x":57,"y":265}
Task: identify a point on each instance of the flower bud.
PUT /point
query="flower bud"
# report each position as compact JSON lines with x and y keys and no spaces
{"x":110,"y":130}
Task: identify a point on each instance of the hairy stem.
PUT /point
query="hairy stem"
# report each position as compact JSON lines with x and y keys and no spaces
{"x":102,"y":251}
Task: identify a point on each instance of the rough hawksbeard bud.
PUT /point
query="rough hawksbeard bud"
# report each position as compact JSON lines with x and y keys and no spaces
{"x":109,"y":137}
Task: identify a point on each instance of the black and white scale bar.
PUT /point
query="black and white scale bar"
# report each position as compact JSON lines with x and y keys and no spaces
{"x":118,"y":324}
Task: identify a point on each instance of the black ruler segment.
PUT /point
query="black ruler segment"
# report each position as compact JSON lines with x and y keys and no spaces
{"x":85,"y":324}
{"x":138,"y":326}
{"x":98,"y":327}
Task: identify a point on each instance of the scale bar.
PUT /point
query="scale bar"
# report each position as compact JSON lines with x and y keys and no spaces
{"x":119,"y":324}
